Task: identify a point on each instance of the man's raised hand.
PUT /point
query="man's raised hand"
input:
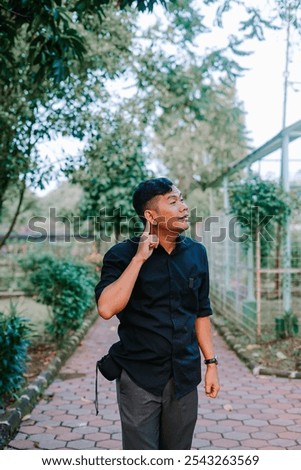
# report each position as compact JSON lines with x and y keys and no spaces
{"x":148,"y":242}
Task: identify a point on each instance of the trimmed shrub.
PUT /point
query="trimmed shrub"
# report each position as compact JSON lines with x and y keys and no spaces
{"x":66,"y":287}
{"x":14,"y":340}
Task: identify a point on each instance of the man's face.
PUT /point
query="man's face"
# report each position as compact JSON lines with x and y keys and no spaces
{"x":170,"y":211}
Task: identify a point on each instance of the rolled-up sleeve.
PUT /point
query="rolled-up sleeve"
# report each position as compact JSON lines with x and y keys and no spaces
{"x":204,"y":300}
{"x":111,"y":270}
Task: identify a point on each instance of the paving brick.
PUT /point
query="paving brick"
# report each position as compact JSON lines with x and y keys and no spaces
{"x":267,"y":436}
{"x":22,"y":445}
{"x":74,"y":423}
{"x":272,"y":428}
{"x":226,"y":443}
{"x":255,"y":443}
{"x":239,"y":416}
{"x":264,"y":416}
{"x":51,"y":445}
{"x":257,"y":406}
{"x":215,"y":416}
{"x":255,"y":422}
{"x":296,"y":396}
{"x":284,"y":443}
{"x":238,"y":436}
{"x":109,"y":414}
{"x":20,"y":436}
{"x":202,"y":423}
{"x":47,"y":406}
{"x":109,"y":444}
{"x":68,"y":407}
{"x":78,"y":412}
{"x":265,"y":410}
{"x":281,"y":406}
{"x":41,"y":437}
{"x":68,"y":436}
{"x":282,"y":422}
{"x":294,"y":428}
{"x":289,"y":435}
{"x":33,"y":429}
{"x":229,"y":423}
{"x":97,"y":421}
{"x":219,"y":428}
{"x":84,"y":430}
{"x":54,"y":413}
{"x":210,"y":436}
{"x":201,"y":443}
{"x":245,"y":428}
{"x":111,"y":429}
{"x":47,"y":421}
{"x":56,"y":429}
{"x":97,"y":436}
{"x":269,"y":447}
{"x":83,"y":444}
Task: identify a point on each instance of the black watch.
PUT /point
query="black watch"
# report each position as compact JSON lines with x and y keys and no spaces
{"x":211,"y":361}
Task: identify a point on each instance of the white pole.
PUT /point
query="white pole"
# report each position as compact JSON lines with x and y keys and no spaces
{"x":285,"y":172}
{"x":227,"y":254}
{"x":250,"y":296}
{"x":287,"y":301}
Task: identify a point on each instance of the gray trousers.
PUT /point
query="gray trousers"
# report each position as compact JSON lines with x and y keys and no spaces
{"x":155,"y":422}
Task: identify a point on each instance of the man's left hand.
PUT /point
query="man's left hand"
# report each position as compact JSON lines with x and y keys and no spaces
{"x":212,"y":386}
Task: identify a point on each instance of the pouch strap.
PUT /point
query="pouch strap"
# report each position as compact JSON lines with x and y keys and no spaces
{"x":96,"y":389}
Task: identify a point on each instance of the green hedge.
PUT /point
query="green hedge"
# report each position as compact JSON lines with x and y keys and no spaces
{"x":14,"y":341}
{"x":66,"y":287}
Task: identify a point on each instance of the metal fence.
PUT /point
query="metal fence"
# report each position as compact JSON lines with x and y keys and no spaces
{"x":256,"y":292}
{"x":11,"y":274}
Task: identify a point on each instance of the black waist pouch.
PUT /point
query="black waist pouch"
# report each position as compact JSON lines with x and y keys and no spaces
{"x":109,"y":369}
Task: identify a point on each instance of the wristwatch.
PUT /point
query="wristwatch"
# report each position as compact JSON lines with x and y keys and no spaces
{"x":211,"y":361}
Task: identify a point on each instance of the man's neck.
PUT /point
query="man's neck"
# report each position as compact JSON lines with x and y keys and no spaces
{"x":167,"y":240}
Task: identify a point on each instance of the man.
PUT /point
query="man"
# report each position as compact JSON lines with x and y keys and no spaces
{"x":158,"y":286}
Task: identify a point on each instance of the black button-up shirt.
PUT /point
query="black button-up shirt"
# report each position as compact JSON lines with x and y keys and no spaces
{"x":157,"y":326}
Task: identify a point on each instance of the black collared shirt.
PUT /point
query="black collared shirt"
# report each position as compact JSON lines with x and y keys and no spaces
{"x":157,"y":326}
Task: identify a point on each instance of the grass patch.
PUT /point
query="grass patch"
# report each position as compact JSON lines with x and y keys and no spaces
{"x":27,"y":307}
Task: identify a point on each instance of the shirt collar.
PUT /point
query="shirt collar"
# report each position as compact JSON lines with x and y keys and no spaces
{"x":181,"y":244}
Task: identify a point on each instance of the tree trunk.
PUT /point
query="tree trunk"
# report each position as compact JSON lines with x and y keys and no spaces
{"x":13,"y":222}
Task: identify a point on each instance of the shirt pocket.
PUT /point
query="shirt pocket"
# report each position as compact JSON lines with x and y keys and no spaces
{"x":190,"y":293}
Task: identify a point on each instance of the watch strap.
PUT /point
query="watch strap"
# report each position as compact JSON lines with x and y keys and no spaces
{"x":213,"y":360}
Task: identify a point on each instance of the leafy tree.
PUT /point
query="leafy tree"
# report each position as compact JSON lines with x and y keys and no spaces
{"x":262,"y":208}
{"x":188,"y":99}
{"x":260,"y":205}
{"x":114,"y":165}
{"x":55,"y":57}
{"x":177,"y":105}
{"x":32,"y":112}
{"x":54,"y":33}
{"x":194,"y":150}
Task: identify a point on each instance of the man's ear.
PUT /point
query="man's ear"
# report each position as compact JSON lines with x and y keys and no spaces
{"x":148,"y":214}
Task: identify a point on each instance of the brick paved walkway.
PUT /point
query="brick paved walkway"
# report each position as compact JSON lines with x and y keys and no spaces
{"x":250,"y":413}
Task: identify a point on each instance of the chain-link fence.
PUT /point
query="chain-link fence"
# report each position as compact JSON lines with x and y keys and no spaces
{"x":18,"y":247}
{"x":249,"y":288}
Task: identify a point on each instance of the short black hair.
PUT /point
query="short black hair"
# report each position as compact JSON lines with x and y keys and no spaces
{"x":148,"y":189}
